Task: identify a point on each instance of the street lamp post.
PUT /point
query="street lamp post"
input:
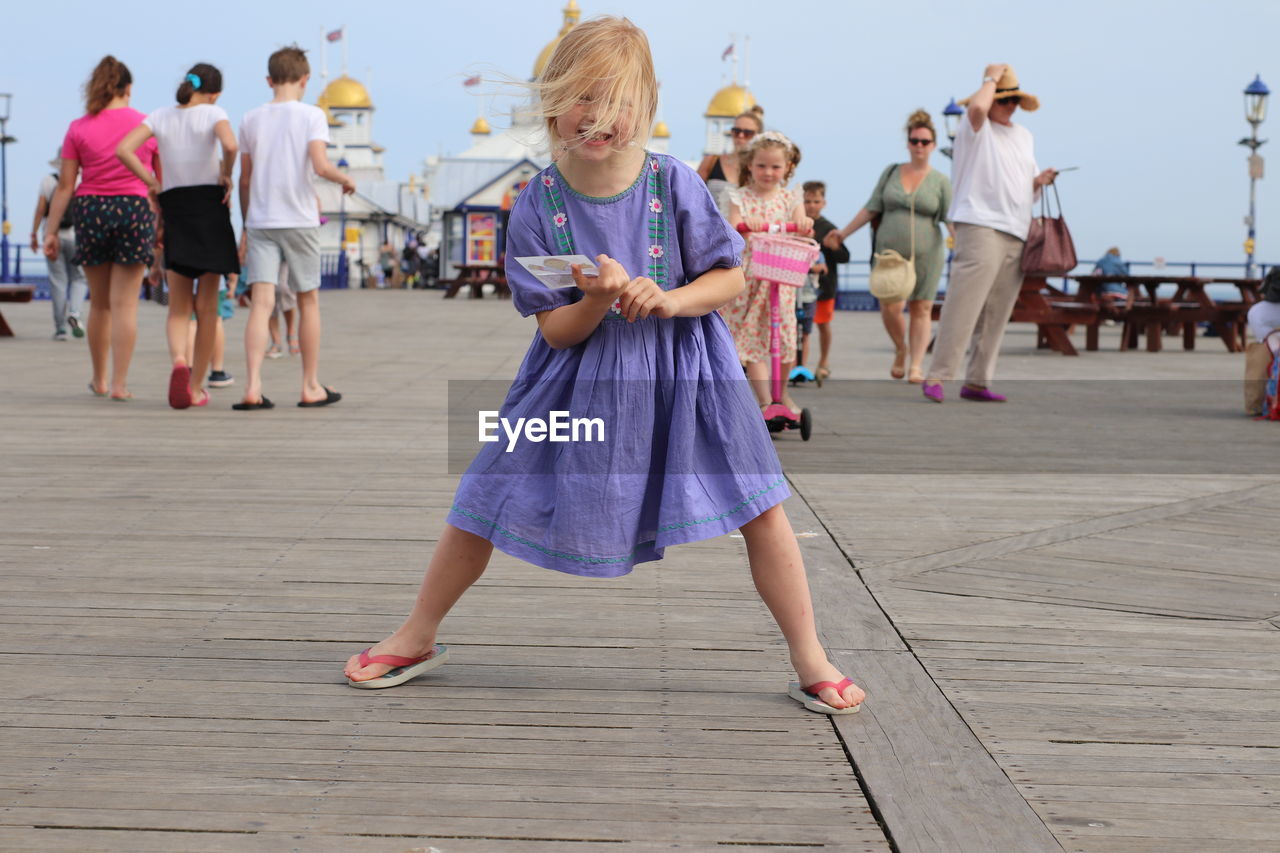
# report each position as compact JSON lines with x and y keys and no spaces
{"x":5,"y":227}
{"x":1255,"y":110}
{"x":950,"y":116}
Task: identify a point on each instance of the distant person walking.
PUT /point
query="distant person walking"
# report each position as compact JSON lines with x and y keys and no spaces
{"x":996,"y":184}
{"x":194,"y":195}
{"x":721,"y":172}
{"x":911,"y":199}
{"x":114,"y":221}
{"x":67,"y":287}
{"x":281,"y":143}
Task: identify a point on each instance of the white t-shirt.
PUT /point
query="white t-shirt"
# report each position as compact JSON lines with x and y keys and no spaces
{"x":189,"y":149}
{"x":48,"y":185}
{"x":1264,"y":318}
{"x":276,"y":136}
{"x":992,"y":174}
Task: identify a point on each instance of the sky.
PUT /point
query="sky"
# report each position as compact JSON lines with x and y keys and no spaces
{"x":1144,"y":97}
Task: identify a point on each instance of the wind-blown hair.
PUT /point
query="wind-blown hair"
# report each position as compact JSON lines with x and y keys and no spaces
{"x":607,"y":61}
{"x":109,"y":80}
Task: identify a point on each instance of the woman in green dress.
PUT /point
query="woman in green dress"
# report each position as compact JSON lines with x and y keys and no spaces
{"x":899,"y":186}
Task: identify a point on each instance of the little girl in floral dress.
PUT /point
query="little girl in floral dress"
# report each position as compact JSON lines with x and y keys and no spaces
{"x":764,"y":199}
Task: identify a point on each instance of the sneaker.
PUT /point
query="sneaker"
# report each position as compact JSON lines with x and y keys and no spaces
{"x":74,"y":322}
{"x":274,"y":352}
{"x":220,"y":379}
{"x":60,"y":335}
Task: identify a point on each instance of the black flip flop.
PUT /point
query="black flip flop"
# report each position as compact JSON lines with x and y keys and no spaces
{"x":330,"y":396}
{"x":263,"y":403}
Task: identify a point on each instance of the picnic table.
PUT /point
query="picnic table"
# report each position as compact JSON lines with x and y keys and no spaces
{"x":1053,"y":311}
{"x":476,"y":276}
{"x":1142,"y":310}
{"x":13,"y":293}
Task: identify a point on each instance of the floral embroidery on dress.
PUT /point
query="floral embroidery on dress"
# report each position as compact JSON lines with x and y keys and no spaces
{"x":655,"y":205}
{"x":559,"y":219}
{"x":655,"y":251}
{"x":547,"y":180}
{"x":553,"y":202}
{"x":657,"y":226}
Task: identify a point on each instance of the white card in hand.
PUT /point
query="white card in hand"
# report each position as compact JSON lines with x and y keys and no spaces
{"x":553,"y":270}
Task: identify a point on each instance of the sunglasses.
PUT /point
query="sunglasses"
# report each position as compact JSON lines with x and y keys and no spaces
{"x":741,"y":131}
{"x":919,"y":140}
{"x":1015,"y":99}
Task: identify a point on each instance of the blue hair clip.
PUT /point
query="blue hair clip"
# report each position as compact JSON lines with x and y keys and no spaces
{"x":194,"y":81}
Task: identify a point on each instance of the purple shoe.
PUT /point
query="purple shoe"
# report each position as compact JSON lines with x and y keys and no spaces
{"x":933,"y":392}
{"x":986,"y":395}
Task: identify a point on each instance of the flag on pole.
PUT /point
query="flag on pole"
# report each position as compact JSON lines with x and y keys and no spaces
{"x":472,"y":81}
{"x":728,"y":52}
{"x":336,"y":35}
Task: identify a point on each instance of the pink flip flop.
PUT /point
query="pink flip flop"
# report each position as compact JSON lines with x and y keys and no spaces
{"x":405,"y":668}
{"x":808,"y":696}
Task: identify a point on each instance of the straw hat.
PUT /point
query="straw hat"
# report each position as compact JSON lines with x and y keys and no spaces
{"x":1007,"y":87}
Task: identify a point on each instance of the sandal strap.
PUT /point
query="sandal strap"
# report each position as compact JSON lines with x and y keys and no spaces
{"x":818,"y":686}
{"x":396,"y":661}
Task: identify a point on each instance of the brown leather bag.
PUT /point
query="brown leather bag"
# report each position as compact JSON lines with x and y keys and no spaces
{"x":1049,"y":249}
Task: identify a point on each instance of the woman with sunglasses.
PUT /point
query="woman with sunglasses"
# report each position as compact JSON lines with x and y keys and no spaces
{"x":997,"y":181}
{"x":909,"y":197}
{"x":720,"y":171}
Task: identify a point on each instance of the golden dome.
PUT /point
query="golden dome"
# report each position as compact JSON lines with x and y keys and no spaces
{"x":481,"y":126}
{"x":571,"y":15}
{"x":660,"y":131}
{"x":729,"y":102}
{"x":344,"y":92}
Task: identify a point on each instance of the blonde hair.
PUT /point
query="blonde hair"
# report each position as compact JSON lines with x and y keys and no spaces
{"x":756,"y":114}
{"x":606,"y":59}
{"x":921,"y":118}
{"x":768,"y":139}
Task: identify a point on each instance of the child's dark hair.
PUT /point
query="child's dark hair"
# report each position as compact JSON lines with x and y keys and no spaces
{"x":203,"y":78}
{"x":288,"y":65}
{"x":815,"y":187}
{"x":109,"y":80}
{"x":768,"y":139}
{"x":1271,"y":285}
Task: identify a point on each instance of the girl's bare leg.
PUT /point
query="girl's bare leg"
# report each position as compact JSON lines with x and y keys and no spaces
{"x":99,"y":328}
{"x":206,"y":305}
{"x":178,"y":323}
{"x":126,"y":280}
{"x":459,"y":560}
{"x":778,"y":571}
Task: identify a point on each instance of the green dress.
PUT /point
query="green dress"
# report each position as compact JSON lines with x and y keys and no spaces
{"x":932,"y":200}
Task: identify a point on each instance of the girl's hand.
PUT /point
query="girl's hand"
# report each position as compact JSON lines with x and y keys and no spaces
{"x":804,"y":225}
{"x":51,"y":244}
{"x":644,"y":298}
{"x":818,"y":269}
{"x":753,"y":223}
{"x":611,"y":283}
{"x":224,"y":181}
{"x":153,"y":190}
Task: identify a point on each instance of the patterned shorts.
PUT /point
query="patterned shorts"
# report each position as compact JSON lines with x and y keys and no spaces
{"x":114,"y":229}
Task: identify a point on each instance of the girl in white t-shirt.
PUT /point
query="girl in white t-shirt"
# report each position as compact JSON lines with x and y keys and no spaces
{"x":197,"y":149}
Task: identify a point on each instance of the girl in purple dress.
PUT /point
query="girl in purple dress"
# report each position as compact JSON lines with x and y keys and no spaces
{"x":682,"y":454}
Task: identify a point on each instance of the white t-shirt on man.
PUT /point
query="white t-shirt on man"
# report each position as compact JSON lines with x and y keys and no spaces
{"x":189,"y":150}
{"x":992,"y":174}
{"x":276,"y":137}
{"x":1264,"y":318}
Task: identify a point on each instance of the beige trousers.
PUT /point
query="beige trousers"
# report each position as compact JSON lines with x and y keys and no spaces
{"x":986,"y":275}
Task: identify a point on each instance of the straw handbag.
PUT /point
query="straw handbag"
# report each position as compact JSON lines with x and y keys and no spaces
{"x":893,"y":277}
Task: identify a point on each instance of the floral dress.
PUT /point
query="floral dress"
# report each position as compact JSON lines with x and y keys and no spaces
{"x":685,"y":455}
{"x":748,"y":315}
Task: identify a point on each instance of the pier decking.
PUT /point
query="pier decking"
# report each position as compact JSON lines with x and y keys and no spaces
{"x":1065,"y":610}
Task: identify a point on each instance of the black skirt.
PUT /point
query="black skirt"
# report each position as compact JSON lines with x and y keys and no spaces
{"x":197,"y":230}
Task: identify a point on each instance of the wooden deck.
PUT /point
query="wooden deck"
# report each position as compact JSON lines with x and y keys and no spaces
{"x":1057,"y":659}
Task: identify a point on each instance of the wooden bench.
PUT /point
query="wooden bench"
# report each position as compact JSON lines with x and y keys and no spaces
{"x":13,"y":293}
{"x":1055,"y":314}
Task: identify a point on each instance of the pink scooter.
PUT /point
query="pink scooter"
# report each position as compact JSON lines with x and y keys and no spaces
{"x":783,"y":262}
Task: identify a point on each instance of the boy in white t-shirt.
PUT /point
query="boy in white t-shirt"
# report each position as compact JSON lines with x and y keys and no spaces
{"x":281,"y":144}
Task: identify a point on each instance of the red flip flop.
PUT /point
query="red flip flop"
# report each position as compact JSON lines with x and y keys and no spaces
{"x":180,"y":387}
{"x":405,"y":668}
{"x":808,"y":696}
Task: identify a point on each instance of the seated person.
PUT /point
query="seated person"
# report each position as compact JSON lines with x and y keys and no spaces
{"x":1264,"y":315}
{"x":1112,"y":292}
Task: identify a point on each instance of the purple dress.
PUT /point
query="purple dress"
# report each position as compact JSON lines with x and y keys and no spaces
{"x":685,"y":453}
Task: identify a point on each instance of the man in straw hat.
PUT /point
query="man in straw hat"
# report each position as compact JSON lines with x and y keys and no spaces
{"x":67,"y":285}
{"x":996,"y":183}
